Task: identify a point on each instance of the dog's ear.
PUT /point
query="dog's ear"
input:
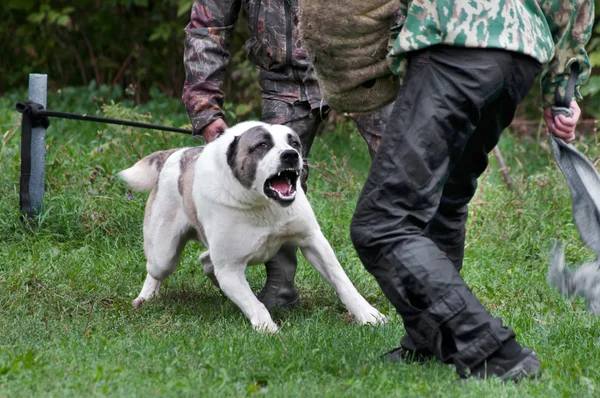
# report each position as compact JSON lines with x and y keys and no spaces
{"x":232,"y":152}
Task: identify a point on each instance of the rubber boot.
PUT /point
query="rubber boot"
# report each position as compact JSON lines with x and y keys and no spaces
{"x":279,"y":290}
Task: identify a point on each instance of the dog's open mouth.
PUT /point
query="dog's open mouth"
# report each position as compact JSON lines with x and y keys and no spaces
{"x":281,"y":187}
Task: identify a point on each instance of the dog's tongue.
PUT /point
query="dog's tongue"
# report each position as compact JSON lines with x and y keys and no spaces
{"x":281,"y":186}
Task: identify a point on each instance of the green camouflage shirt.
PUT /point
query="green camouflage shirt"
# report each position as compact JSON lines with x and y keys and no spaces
{"x":552,"y":31}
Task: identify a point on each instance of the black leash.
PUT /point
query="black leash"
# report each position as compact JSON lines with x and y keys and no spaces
{"x":37,"y":112}
{"x":562,"y":105}
{"x":34,"y":115}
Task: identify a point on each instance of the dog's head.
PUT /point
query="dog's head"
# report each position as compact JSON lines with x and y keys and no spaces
{"x":266,"y":159}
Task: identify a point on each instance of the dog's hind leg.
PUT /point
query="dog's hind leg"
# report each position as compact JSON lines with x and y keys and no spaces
{"x":209,"y":268}
{"x":149,"y":290}
{"x":233,"y":283}
{"x":163,"y":244}
{"x":320,"y":255}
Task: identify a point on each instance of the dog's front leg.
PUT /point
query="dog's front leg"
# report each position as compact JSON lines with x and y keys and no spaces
{"x":319,"y":254}
{"x":233,"y":283}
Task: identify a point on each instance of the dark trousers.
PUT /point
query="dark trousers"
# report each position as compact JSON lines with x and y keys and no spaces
{"x":409,"y":223}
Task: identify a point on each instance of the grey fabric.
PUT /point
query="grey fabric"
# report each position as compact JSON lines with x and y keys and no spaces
{"x":584,"y":282}
{"x":584,"y":185}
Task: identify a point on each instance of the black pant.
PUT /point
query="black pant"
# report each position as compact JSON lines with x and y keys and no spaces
{"x":409,"y":224}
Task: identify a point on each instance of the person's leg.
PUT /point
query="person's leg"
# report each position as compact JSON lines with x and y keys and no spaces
{"x":279,"y":289}
{"x":371,"y":126}
{"x":437,"y":112}
{"x":447,"y":227}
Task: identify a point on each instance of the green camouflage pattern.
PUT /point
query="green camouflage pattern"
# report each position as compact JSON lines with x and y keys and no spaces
{"x":554,"y":32}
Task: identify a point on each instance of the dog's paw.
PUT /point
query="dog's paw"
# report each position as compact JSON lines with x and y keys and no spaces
{"x":137,"y":303}
{"x":266,"y":327}
{"x":371,"y":317}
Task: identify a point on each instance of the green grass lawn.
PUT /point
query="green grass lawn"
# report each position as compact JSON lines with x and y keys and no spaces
{"x":67,"y":327}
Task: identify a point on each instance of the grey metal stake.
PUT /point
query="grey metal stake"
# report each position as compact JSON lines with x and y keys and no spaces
{"x":33,"y":151}
{"x":38,"y":90}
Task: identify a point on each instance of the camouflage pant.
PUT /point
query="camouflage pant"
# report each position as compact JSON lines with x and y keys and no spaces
{"x":306,"y":122}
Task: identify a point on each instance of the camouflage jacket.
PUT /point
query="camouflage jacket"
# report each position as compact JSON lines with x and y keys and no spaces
{"x":285,"y":70}
{"x":551,"y":31}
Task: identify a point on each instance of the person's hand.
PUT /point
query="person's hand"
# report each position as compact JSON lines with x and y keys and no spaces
{"x":214,"y":130}
{"x":563,"y":127}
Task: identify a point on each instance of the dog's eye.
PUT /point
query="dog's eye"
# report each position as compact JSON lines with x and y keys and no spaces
{"x":262,"y":145}
{"x":295,"y":144}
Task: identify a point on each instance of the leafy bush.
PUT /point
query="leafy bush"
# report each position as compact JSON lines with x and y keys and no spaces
{"x":133,"y":44}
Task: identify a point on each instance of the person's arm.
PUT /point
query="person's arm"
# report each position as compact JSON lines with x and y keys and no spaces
{"x":206,"y":58}
{"x":571,"y":25}
{"x":396,"y":59}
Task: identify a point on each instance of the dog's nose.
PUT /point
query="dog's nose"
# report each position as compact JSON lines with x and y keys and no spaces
{"x":290,"y":156}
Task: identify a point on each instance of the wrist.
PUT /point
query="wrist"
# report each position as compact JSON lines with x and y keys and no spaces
{"x":203,"y":119}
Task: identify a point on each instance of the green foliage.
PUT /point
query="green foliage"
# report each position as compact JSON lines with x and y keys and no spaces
{"x":138,"y":44}
{"x":592,"y":88}
{"x":67,"y":327}
{"x":135,"y":47}
{"x":133,"y":44}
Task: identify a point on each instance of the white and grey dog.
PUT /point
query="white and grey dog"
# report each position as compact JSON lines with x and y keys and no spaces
{"x":240,"y":196}
{"x":584,"y":281}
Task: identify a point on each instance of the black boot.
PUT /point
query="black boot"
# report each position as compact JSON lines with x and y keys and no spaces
{"x":408,"y":353}
{"x":511,"y":362}
{"x":279,"y":290}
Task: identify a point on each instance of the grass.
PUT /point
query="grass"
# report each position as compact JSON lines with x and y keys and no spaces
{"x":67,"y":327}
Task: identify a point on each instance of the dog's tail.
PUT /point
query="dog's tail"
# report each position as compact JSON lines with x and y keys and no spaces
{"x":143,"y":175}
{"x":557,"y":274}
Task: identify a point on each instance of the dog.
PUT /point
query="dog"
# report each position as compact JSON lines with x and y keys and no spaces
{"x":584,"y":281}
{"x":240,"y":196}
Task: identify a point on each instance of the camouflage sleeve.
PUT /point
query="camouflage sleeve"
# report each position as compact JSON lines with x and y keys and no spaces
{"x":206,"y":57}
{"x":571,"y":23}
{"x":396,"y":59}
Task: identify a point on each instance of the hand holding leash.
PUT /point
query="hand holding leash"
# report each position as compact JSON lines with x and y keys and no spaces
{"x":562,"y":121}
{"x":214,"y":130}
{"x":563,"y":116}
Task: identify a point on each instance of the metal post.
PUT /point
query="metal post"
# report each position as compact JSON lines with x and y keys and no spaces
{"x":38,"y":89}
{"x":33,"y":152}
